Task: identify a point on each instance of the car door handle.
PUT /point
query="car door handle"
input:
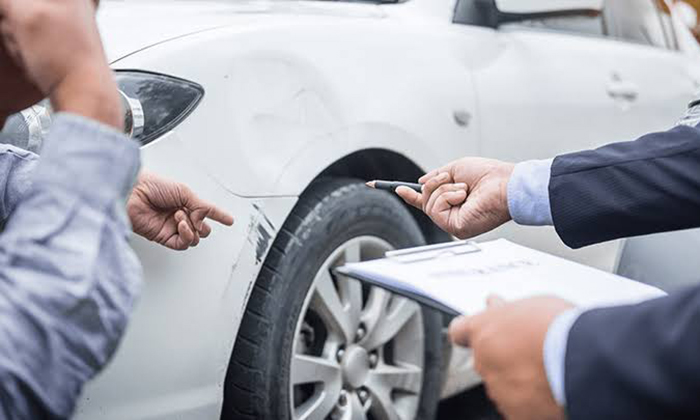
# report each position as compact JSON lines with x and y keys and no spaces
{"x":623,"y":91}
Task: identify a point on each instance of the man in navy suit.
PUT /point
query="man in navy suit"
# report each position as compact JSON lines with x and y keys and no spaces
{"x":542,"y":358}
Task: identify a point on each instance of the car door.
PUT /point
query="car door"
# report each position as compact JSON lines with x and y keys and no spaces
{"x":543,"y":91}
{"x":541,"y":94}
{"x":650,"y":70}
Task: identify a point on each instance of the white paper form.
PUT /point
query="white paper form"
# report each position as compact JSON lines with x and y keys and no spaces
{"x":464,"y":281}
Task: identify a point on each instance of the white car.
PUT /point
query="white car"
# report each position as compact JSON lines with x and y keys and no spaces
{"x":278,"y":111}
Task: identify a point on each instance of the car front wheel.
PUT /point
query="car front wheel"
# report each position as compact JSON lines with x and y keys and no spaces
{"x":313,"y":346}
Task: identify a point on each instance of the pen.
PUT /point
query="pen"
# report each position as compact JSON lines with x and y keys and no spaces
{"x":393,"y":185}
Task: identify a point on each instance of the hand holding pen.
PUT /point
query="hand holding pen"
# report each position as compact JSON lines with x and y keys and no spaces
{"x":465,"y":198}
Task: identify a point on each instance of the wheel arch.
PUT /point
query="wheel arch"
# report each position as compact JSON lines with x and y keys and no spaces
{"x":376,"y":163}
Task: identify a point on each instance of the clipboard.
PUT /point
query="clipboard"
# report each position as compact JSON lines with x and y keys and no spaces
{"x":415,"y":295}
{"x":414,"y":255}
{"x":456,"y":278}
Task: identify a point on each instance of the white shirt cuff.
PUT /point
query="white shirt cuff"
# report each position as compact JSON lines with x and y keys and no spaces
{"x":555,"y":352}
{"x":528,"y":193}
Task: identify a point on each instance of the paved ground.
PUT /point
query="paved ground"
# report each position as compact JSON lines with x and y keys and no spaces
{"x":472,"y":405}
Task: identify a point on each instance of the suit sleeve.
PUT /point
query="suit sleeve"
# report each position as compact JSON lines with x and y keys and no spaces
{"x":627,"y":189}
{"x":636,"y":362}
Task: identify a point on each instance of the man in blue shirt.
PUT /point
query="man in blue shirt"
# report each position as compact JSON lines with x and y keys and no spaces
{"x":68,"y":278}
{"x":541,"y":358}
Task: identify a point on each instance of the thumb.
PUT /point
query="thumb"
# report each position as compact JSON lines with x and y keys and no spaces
{"x":461,"y":330}
{"x":411,"y":197}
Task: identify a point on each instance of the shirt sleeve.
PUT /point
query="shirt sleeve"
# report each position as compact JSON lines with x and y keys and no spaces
{"x":528,"y":193}
{"x":16,"y":169}
{"x":68,"y":277}
{"x":555,"y":352}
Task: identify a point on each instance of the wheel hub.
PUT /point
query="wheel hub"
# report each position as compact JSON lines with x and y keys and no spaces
{"x":339,"y":367}
{"x":355,"y":366}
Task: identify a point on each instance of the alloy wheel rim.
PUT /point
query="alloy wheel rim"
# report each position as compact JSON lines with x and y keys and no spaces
{"x":358,"y":351}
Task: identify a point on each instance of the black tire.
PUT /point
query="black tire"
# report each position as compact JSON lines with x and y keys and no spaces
{"x":329,"y":213}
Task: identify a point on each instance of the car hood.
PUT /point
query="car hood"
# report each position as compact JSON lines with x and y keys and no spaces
{"x":128,"y":26}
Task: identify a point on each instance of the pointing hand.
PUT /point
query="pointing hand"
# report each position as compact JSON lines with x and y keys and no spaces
{"x":170,"y":214}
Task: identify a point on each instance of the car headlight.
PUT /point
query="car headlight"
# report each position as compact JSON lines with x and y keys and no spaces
{"x":153,"y":105}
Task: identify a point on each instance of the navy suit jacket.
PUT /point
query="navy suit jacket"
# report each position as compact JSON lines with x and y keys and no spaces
{"x":642,"y":361}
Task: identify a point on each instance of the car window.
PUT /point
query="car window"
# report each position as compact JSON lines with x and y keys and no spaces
{"x":636,"y":21}
{"x":579,"y":24}
{"x":478,"y":12}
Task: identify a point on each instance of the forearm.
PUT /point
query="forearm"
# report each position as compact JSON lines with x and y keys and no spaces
{"x":68,"y":277}
{"x":637,"y":361}
{"x":627,"y":189}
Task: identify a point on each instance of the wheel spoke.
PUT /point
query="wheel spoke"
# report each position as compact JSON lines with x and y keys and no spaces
{"x":382,"y":407}
{"x":326,"y":301}
{"x":319,"y":406}
{"x":355,"y":410}
{"x":352,"y":252}
{"x":310,"y":369}
{"x":375,"y":310}
{"x":351,"y":296}
{"x":400,"y":313}
{"x":406,"y":378}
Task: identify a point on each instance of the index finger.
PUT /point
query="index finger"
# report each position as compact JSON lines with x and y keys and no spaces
{"x":210,"y":211}
{"x":219,"y":215}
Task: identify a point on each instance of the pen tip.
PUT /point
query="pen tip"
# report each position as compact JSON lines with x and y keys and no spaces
{"x":371,"y":184}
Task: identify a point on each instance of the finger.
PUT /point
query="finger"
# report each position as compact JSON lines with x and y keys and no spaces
{"x":182,"y":216}
{"x":447,"y":211}
{"x":461,"y":330}
{"x":432,"y":185}
{"x":495,"y":301}
{"x":427,"y":177}
{"x":205,"y":230}
{"x":449,"y":200}
{"x":186,"y":234}
{"x":186,"y":230}
{"x":220,"y":216}
{"x":175,"y":241}
{"x":411,"y":197}
{"x":440,"y":191}
{"x":214,"y":213}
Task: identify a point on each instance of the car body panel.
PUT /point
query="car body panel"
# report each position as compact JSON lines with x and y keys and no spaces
{"x":280,"y":98}
{"x":666,"y":260}
{"x":129,"y":26}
